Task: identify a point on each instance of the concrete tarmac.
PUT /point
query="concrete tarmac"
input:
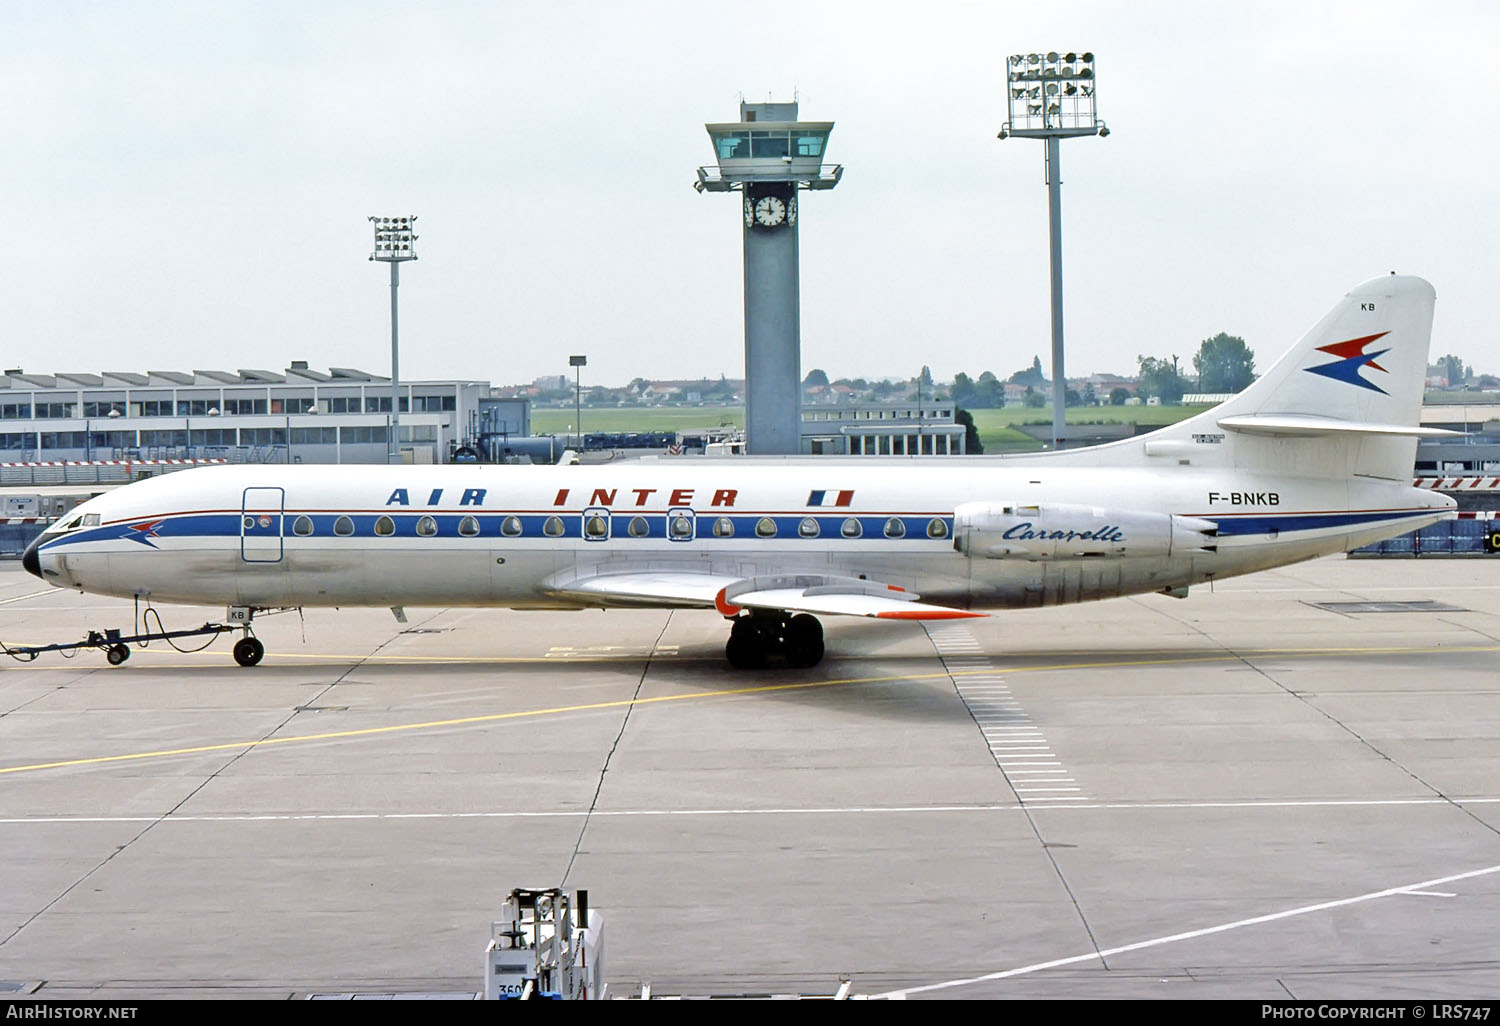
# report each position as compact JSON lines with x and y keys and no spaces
{"x":1243,"y":794}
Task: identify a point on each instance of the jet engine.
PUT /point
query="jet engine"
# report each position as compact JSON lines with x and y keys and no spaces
{"x":1056,"y":530}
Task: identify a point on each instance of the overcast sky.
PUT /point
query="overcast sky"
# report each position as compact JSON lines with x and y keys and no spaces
{"x":188,"y":184}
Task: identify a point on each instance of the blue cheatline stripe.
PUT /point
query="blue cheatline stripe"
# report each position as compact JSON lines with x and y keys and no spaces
{"x":533,"y":526}
{"x":788,"y":527}
{"x":1284,"y":522}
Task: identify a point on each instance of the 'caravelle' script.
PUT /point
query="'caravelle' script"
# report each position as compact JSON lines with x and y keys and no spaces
{"x":1026,"y":532}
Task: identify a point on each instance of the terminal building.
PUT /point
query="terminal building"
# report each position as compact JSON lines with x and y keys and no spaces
{"x":298,"y":415}
{"x":900,"y":429}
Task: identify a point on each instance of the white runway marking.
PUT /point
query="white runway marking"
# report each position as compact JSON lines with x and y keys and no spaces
{"x":1015,"y":743}
{"x":850,"y":810}
{"x":1412,"y":888}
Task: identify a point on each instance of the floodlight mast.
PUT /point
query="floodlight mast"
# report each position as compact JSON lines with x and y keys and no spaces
{"x":1051,"y":96}
{"x":578,"y":362}
{"x":395,"y":243}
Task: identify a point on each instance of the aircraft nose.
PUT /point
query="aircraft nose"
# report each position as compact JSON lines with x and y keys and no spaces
{"x":30,"y":561}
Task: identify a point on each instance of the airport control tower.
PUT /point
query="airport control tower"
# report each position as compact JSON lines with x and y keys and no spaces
{"x":768,"y":156}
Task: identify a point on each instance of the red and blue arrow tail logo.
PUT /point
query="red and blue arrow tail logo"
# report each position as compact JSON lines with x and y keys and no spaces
{"x":144,"y":532}
{"x":1351,"y":358}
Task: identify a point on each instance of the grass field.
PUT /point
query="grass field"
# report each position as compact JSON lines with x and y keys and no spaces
{"x":996,"y":427}
{"x":662,"y":418}
{"x":997,"y":432}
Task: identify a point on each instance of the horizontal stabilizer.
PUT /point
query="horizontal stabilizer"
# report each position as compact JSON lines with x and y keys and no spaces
{"x":1298,"y":425}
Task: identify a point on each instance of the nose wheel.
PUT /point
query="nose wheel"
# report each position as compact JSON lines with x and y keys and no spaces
{"x":757,"y":639}
{"x":248,"y":651}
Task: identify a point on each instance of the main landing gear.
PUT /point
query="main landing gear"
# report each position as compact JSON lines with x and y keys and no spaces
{"x":757,"y":638}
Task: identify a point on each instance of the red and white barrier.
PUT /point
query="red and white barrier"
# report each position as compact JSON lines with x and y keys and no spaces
{"x":1482,"y":483}
{"x":109,"y":463}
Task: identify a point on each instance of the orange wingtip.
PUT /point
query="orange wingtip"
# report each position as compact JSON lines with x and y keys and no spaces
{"x":723,"y":606}
{"x":924,"y":614}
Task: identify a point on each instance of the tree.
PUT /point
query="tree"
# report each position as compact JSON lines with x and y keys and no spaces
{"x":1030,"y":375}
{"x":1117,"y":396}
{"x":924,"y":380}
{"x":971,"y":433}
{"x":1160,"y":378}
{"x":1034,"y":399}
{"x":815,"y":377}
{"x":963,"y":387}
{"x":1452,"y":368}
{"x":1224,"y":364}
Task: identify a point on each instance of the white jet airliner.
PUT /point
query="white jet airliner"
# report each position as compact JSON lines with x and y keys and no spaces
{"x":1315,"y":457}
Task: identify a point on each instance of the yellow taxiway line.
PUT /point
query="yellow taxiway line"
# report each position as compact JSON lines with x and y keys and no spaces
{"x":735,"y":692}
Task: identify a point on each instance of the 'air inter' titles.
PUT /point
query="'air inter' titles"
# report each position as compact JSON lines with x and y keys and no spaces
{"x":600,"y":497}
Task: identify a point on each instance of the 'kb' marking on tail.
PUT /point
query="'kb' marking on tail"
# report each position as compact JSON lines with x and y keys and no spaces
{"x":1352,"y":357}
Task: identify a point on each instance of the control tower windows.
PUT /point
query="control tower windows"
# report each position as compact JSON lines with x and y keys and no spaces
{"x":770,"y":144}
{"x":810,"y":145}
{"x":732,"y":145}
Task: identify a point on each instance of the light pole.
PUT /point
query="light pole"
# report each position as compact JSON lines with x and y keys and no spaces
{"x":1051,"y":97}
{"x":576,"y":362}
{"x":394,"y":244}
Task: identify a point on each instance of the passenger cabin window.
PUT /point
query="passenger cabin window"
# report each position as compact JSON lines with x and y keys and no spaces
{"x":639,"y":528}
{"x":553,"y":528}
{"x":723,"y":528}
{"x":596,"y":527}
{"x":510,"y":526}
{"x":302,"y":526}
{"x":895,"y":528}
{"x":385,"y":527}
{"x":468,"y":527}
{"x":343,"y":527}
{"x":765,"y":527}
{"x":937,"y":528}
{"x":851,"y":528}
{"x":682,"y":527}
{"x":427,"y":527}
{"x":808,"y":528}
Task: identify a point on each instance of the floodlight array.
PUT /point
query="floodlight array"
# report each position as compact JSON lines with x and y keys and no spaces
{"x":395,"y":238}
{"x":1051,"y":92}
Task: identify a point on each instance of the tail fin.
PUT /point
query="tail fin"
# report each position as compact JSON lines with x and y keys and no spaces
{"x":1365,"y":362}
{"x":1345,"y":400}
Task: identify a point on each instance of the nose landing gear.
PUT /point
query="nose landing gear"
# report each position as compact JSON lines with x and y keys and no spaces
{"x":248,"y":650}
{"x":756,"y":639}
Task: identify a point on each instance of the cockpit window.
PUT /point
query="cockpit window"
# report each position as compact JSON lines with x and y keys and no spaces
{"x":71,"y":524}
{"x":91,"y":520}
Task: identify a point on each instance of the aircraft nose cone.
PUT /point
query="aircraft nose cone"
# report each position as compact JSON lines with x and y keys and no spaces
{"x":31,"y":562}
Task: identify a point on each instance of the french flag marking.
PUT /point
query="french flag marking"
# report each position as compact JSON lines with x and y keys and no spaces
{"x":830,"y":498}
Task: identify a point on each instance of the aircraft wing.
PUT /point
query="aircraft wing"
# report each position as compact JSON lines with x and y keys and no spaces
{"x":800,"y":593}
